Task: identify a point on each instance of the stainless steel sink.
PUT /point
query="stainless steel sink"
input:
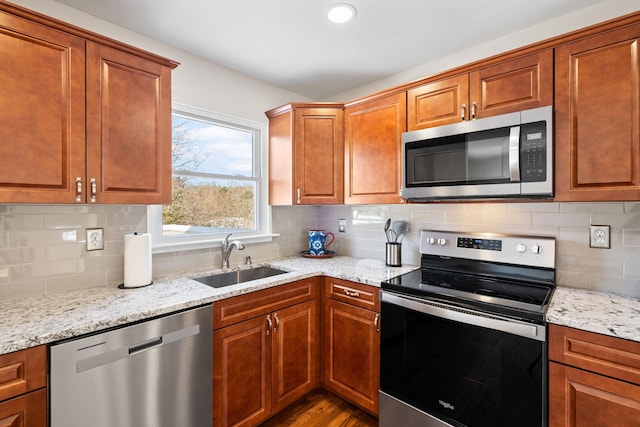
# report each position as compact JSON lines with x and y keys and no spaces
{"x":239,"y":276}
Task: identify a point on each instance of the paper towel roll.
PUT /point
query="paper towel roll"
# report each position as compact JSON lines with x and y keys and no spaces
{"x":137,"y":260}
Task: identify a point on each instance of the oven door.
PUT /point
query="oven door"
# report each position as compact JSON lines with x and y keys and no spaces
{"x":444,"y":366}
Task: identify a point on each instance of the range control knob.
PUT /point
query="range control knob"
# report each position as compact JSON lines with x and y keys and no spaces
{"x":536,"y":249}
{"x":521,"y":248}
{"x":431,"y":241}
{"x":442,"y":241}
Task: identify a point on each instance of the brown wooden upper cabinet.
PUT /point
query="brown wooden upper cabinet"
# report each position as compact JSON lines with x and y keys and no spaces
{"x":373,"y":148}
{"x":67,"y":138}
{"x":597,"y":115}
{"x":306,"y":154}
{"x":517,"y":84}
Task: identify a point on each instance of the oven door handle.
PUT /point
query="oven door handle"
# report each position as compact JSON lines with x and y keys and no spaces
{"x":470,"y":317}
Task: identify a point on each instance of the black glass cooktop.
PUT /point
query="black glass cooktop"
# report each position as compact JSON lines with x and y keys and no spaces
{"x":491,"y":295}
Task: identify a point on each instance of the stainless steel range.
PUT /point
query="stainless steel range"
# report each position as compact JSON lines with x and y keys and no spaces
{"x":463,"y":339}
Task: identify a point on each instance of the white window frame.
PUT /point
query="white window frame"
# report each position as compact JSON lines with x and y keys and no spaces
{"x":263,"y":232}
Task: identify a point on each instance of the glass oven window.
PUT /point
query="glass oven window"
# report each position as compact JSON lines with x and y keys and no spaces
{"x":460,"y":373}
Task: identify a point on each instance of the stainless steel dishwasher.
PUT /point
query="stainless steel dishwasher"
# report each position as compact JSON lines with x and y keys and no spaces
{"x":155,"y":373}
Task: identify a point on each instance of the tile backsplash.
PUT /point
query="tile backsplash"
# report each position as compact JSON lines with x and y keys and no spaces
{"x":42,"y":247}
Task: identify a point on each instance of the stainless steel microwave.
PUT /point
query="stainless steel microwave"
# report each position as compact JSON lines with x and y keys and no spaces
{"x":504,"y":156}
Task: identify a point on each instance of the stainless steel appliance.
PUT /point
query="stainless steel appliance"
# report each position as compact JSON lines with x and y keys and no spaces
{"x":463,"y":339}
{"x":155,"y":373}
{"x":510,"y":155}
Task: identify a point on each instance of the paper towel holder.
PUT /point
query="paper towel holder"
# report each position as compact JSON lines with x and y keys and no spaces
{"x":122,"y":286}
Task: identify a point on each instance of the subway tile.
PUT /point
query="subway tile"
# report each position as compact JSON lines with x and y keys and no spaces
{"x":601,"y":208}
{"x":75,"y":282}
{"x":22,"y":222}
{"x":64,"y":221}
{"x":580,"y":219}
{"x":20,"y":290}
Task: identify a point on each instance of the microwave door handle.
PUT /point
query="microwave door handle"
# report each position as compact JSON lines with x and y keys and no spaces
{"x":514,"y":153}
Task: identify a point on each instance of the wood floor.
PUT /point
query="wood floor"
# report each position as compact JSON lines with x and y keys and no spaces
{"x":321,"y":409}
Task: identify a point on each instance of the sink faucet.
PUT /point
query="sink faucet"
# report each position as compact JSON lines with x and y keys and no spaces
{"x":227,"y":247}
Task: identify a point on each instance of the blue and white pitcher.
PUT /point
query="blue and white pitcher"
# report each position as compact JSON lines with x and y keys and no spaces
{"x":318,"y":241}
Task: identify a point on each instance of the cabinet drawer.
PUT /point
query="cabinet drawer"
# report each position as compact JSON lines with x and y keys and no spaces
{"x":357,"y":294}
{"x":23,"y":371}
{"x":614,"y":357}
{"x":29,"y":410}
{"x":236,"y":309}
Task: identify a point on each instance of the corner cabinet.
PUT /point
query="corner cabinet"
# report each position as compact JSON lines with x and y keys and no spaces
{"x":23,"y":392}
{"x":513,"y":85}
{"x":597,"y":117}
{"x":265,"y":352}
{"x":373,"y":149}
{"x":85,"y":119}
{"x":306,"y":154}
{"x":594,"y":380}
{"x":351,"y":342}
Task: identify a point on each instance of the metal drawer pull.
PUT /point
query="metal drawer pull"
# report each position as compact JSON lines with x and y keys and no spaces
{"x":298,"y":192}
{"x":352,"y":294}
{"x":269,"y":324}
{"x":94,"y":190}
{"x":275,"y":316}
{"x":463,"y":112}
{"x":376,"y":322}
{"x":78,"y":189}
{"x":473,"y":110}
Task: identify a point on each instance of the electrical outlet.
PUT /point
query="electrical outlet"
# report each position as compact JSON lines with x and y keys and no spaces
{"x":95,"y":239}
{"x":600,"y":236}
{"x":342,"y":223}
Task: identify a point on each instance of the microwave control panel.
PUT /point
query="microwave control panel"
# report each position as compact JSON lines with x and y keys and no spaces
{"x":533,"y":152}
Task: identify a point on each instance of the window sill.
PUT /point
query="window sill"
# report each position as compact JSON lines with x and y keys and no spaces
{"x":165,"y":247}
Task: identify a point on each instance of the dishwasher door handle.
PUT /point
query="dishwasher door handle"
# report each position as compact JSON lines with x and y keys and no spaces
{"x":145,"y":345}
{"x":123,"y":352}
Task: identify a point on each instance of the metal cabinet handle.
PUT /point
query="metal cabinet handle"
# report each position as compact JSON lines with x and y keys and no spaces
{"x":275,"y":316}
{"x":78,"y":189}
{"x":269,"y":324}
{"x":94,"y":190}
{"x":463,"y":112}
{"x":352,"y":294}
{"x":473,"y":110}
{"x":376,"y":322}
{"x":298,"y":193}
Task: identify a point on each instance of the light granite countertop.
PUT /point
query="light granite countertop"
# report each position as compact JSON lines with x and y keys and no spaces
{"x":593,"y":311}
{"x":45,"y":319}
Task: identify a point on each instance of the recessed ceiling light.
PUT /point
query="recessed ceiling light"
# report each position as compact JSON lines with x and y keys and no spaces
{"x":341,"y":13}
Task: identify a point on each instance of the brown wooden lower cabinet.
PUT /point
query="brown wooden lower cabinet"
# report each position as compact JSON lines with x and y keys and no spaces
{"x":351,"y":342}
{"x":267,"y":362}
{"x":594,"y":380}
{"x":583,"y":399}
{"x":23,"y":393}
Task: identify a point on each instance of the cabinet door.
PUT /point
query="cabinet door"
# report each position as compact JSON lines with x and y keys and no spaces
{"x":295,"y":353}
{"x":597,"y":115}
{"x":28,"y":410}
{"x":373,"y":150}
{"x":438,"y":103}
{"x":242,"y":373}
{"x":515,"y":85}
{"x":579,"y":398}
{"x":128,"y":127}
{"x":319,"y":156}
{"x":42,"y":133}
{"x":351,"y":353}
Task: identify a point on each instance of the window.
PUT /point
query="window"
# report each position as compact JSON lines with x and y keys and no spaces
{"x":218,"y":185}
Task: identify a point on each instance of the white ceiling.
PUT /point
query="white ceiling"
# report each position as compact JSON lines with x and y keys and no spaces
{"x":291,"y":44}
